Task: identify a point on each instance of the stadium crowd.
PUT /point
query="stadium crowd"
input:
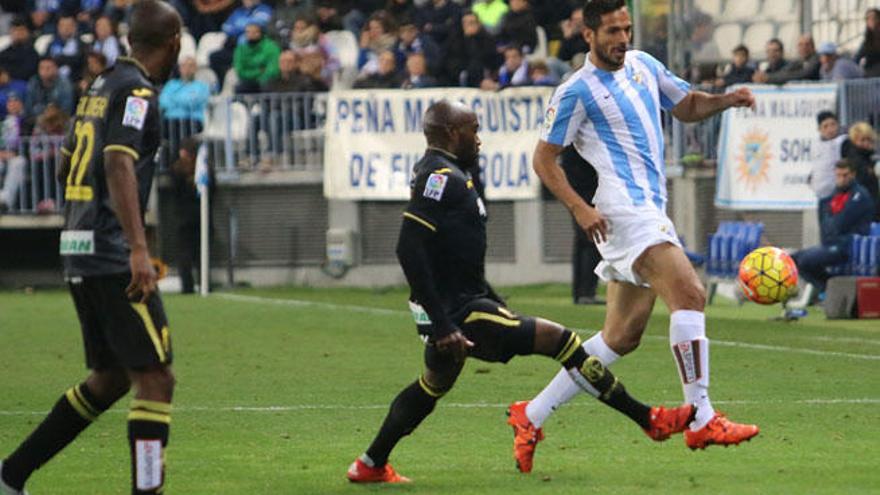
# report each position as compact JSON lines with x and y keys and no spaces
{"x":284,"y":46}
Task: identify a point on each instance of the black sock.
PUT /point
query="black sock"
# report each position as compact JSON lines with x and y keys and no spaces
{"x":72,"y":414}
{"x":410,"y":407}
{"x":611,"y":390}
{"x":148,"y":425}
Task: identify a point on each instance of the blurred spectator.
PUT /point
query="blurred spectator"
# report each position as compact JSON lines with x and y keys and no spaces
{"x":471,"y":53}
{"x":377,"y":36}
{"x":285,"y":15}
{"x":43,"y":15}
{"x":328,"y":16}
{"x":119,"y":10}
{"x":829,"y":153}
{"x":297,"y":74}
{"x":550,"y":13}
{"x":88,"y":11}
{"x":386,"y":77}
{"x":490,"y":13}
{"x":9,"y":86}
{"x":20,"y":58}
{"x":859,"y":150}
{"x":573,"y":42}
{"x":869,"y":53}
{"x":183,"y":101}
{"x":305,"y":37}
{"x":203,"y":16}
{"x":437,"y":19}
{"x":740,"y":71}
{"x":703,"y":47}
{"x":107,"y":40}
{"x":256,"y":60}
{"x":845,"y":213}
{"x":311,"y":65}
{"x":399,"y":10}
{"x":775,"y":57}
{"x":12,"y":164}
{"x":412,"y":41}
{"x":43,"y":151}
{"x":355,"y":14}
{"x":417,"y":73}
{"x":806,"y":68}
{"x":834,"y":67}
{"x":540,"y":74}
{"x":48,"y":87}
{"x":250,"y":12}
{"x":515,"y":70}
{"x":96,"y":63}
{"x":186,"y":198}
{"x":518,"y":27}
{"x":67,"y":49}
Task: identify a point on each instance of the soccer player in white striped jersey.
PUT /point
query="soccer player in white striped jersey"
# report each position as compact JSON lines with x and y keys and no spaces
{"x":610,"y":111}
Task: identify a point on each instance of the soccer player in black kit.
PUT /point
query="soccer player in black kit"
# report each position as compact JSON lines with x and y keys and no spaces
{"x":106,"y":174}
{"x":441,"y":249}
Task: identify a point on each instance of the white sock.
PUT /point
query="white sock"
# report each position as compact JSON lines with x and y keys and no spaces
{"x":562,"y":388}
{"x":690,"y":348}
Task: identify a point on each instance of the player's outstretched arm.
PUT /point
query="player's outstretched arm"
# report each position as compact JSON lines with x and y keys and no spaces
{"x":552,"y":175}
{"x":122,"y":185}
{"x":698,"y":105}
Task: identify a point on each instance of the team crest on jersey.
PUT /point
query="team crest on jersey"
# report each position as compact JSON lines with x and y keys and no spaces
{"x":638,"y":77}
{"x":135,"y":112}
{"x":435,"y":186}
{"x":549,"y":117}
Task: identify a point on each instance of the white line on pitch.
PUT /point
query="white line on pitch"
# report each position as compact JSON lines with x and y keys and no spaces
{"x":451,"y":405}
{"x":365,"y":309}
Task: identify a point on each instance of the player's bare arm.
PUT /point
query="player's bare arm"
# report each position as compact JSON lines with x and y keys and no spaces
{"x":122,"y":185}
{"x":551,"y":174}
{"x":698,"y":105}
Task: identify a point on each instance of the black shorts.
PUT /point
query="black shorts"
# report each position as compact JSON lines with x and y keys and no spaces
{"x":116,"y":331}
{"x":498,"y":334}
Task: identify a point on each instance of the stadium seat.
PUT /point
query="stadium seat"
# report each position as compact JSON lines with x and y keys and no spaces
{"x":727,"y":36}
{"x":788,"y":34}
{"x":187,"y":46}
{"x":208,"y":44}
{"x":207,"y":76}
{"x":346,"y":47}
{"x":219,"y":114}
{"x":41,"y":44}
{"x":230,"y":80}
{"x":5,"y":41}
{"x":779,"y":10}
{"x":711,"y":7}
{"x":875,"y":229}
{"x":540,"y":51}
{"x":727,"y":246}
{"x":736,"y":10}
{"x":826,"y":30}
{"x":756,"y":36}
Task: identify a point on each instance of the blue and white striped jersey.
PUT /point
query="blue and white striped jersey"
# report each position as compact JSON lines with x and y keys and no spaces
{"x":613,"y":119}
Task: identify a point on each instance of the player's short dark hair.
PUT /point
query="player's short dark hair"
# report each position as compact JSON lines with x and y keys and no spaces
{"x":148,"y":29}
{"x":825,"y":115}
{"x":777,"y":41}
{"x":741,"y":49}
{"x":595,"y":9}
{"x":847,"y":164}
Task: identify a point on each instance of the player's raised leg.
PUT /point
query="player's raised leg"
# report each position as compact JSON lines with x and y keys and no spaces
{"x":411,"y":406}
{"x":74,"y":411}
{"x":627,"y":313}
{"x":672,"y":277}
{"x":589,"y":374}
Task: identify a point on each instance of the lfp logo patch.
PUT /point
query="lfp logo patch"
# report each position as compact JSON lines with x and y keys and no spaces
{"x":434,"y":186}
{"x":135,"y":112}
{"x":753,"y":159}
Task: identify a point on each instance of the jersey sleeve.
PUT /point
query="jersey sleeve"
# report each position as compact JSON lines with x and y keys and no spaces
{"x":430,"y":195}
{"x":132,"y":110}
{"x":564,"y":115}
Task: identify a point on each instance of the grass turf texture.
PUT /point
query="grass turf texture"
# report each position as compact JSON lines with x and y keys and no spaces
{"x":332,"y":367}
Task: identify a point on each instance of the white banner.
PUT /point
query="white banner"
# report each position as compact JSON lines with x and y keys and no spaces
{"x":374,"y":138}
{"x":765,"y":155}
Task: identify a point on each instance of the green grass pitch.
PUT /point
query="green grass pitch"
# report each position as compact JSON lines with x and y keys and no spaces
{"x":280,"y":389}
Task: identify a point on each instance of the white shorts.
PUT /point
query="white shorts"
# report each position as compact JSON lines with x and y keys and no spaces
{"x":631,"y":231}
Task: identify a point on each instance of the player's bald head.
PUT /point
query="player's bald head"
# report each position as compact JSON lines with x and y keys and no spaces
{"x":153,"y":25}
{"x":442,"y":116}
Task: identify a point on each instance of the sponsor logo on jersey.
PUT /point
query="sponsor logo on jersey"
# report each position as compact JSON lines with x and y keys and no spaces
{"x":135,"y":112}
{"x":549,"y":117}
{"x":77,"y":242}
{"x":434,"y":186}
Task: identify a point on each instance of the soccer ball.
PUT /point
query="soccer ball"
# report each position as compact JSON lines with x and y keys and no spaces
{"x":767,"y":275}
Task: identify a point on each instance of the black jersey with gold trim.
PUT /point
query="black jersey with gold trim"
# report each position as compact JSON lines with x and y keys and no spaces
{"x":446,"y":200}
{"x":119,"y":112}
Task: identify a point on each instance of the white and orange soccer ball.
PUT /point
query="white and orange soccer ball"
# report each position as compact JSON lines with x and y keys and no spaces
{"x":768,"y":275}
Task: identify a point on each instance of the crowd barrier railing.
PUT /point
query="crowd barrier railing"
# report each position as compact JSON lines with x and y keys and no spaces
{"x":28,"y":170}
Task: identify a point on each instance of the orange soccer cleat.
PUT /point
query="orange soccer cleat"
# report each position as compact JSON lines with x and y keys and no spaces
{"x":359,"y":472}
{"x":666,"y":422}
{"x":719,"y":431}
{"x":525,"y":436}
